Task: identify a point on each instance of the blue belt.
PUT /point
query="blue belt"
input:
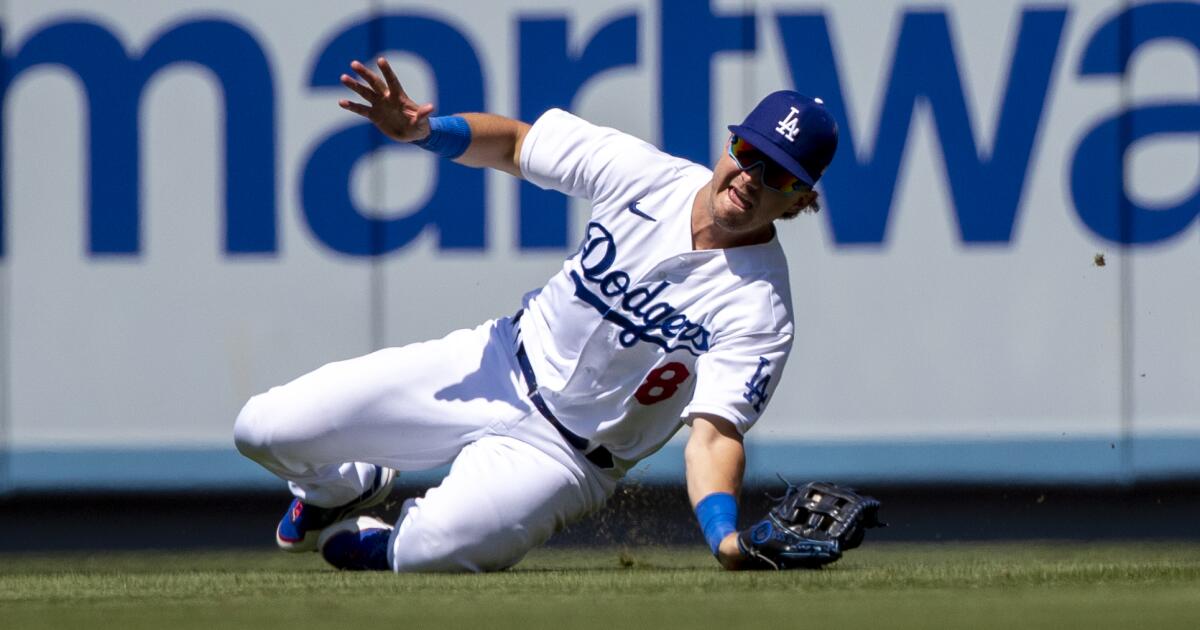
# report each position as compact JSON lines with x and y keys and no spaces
{"x":599,"y":456}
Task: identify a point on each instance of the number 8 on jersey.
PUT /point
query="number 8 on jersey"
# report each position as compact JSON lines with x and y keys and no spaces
{"x":662,"y":383}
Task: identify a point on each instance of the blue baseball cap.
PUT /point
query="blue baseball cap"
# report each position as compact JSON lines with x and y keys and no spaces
{"x":794,"y":130}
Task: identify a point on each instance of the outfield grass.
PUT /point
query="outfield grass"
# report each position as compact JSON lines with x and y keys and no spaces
{"x":1009,"y":586}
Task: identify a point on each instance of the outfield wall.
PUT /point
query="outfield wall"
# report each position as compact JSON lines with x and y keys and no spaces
{"x":188,"y":218}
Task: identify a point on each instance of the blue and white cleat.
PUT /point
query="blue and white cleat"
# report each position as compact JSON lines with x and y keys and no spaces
{"x":358,"y":544}
{"x":302,"y":524}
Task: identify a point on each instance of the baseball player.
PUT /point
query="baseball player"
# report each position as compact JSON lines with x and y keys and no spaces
{"x":674,"y":310}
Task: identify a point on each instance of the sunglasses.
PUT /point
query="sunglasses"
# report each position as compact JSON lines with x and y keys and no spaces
{"x":746,"y":156}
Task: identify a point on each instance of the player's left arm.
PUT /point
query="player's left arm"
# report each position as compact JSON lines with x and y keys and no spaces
{"x":716,"y":461}
{"x":477,"y":139}
{"x":495,"y":143}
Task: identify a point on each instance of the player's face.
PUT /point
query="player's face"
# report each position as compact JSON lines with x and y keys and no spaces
{"x":741,"y":203}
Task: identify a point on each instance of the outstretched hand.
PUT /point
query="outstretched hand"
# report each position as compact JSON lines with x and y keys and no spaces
{"x":390,"y":109}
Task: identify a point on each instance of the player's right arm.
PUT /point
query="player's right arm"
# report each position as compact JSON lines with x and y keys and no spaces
{"x":715,"y":462}
{"x":495,"y":141}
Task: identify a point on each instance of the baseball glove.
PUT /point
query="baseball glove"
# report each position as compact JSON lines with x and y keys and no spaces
{"x":809,"y":527}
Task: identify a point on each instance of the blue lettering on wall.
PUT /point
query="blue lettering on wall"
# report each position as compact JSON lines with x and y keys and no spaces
{"x":550,"y":76}
{"x":1098,"y":171}
{"x":691,"y":36}
{"x":986,"y":189}
{"x":113,"y":82}
{"x":986,"y":183}
{"x":456,"y":209}
{"x":4,"y":74}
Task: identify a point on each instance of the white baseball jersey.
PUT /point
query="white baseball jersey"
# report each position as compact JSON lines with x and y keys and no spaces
{"x":639,"y":330}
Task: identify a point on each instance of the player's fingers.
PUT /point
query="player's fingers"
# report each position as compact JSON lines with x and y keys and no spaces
{"x":420,"y":113}
{"x":357,"y":108}
{"x":371,"y":78}
{"x":359,"y":88}
{"x":392,"y":82}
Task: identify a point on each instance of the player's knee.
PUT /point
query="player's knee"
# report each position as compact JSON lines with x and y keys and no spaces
{"x":426,"y":544}
{"x":438,"y":550}
{"x":251,"y":431}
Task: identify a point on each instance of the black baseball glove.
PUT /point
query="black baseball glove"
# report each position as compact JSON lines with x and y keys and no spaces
{"x":809,"y":527}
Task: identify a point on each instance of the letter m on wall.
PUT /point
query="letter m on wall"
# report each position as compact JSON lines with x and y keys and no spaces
{"x":113,"y":81}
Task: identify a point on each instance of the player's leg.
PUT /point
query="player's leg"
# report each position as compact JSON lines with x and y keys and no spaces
{"x":409,"y":408}
{"x":502,"y":498}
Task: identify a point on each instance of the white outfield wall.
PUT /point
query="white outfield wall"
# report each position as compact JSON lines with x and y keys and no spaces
{"x":188,"y":218}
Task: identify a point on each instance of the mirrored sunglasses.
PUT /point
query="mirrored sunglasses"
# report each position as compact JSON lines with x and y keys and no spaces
{"x":746,"y":156}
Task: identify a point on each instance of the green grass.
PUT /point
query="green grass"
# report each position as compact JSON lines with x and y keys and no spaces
{"x":1007,"y":586}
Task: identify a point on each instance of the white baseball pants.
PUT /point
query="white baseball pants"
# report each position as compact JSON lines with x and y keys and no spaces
{"x":514,"y":480}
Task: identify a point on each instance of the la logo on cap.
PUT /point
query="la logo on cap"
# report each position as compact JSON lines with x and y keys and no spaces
{"x":789,"y":126}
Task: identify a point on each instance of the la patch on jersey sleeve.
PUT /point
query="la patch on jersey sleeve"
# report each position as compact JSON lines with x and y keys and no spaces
{"x":736,"y":379}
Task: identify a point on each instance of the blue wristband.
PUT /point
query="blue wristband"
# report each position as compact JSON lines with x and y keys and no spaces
{"x":717,"y":514}
{"x":449,"y":136}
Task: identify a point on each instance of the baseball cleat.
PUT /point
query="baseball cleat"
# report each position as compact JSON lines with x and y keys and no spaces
{"x":302,"y":524}
{"x":358,"y":544}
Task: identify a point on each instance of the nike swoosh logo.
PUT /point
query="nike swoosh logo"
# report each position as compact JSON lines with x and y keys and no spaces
{"x":633,"y":207}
